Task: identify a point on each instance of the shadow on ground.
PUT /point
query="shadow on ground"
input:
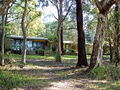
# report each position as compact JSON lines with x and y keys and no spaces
{"x":51,"y":75}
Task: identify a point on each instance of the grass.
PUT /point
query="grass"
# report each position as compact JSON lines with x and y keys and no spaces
{"x":18,"y":56}
{"x":111,"y":85}
{"x":35,"y":76}
{"x":64,"y":57}
{"x":108,"y":72}
{"x":11,"y":80}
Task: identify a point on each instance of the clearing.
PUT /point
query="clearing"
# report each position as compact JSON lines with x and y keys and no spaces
{"x":43,"y":74}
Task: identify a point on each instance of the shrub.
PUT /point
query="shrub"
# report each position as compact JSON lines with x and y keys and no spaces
{"x":40,"y":51}
{"x":105,"y":72}
{"x":97,"y":73}
{"x":10,"y":59}
{"x":57,"y":56}
{"x":70,"y":51}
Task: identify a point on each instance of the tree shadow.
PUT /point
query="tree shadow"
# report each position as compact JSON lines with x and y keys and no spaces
{"x":48,"y":72}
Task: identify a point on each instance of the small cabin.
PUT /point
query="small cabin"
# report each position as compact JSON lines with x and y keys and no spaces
{"x":33,"y":44}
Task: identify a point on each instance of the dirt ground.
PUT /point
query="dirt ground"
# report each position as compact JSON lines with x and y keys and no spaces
{"x":51,"y":75}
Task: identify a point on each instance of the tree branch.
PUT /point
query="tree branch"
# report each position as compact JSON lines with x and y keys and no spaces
{"x":19,"y":5}
{"x":54,"y":16}
{"x":108,"y":5}
{"x":4,"y":6}
{"x":67,"y":12}
{"x":56,"y":5}
{"x":98,"y":4}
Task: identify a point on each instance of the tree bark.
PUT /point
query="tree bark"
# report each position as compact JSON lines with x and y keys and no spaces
{"x":97,"y":52}
{"x":60,"y":21}
{"x":3,"y":38}
{"x":82,"y":60}
{"x":24,"y":34}
{"x":117,"y":35}
{"x":110,"y":49}
{"x":59,"y":43}
{"x":62,"y":38}
{"x":3,"y":41}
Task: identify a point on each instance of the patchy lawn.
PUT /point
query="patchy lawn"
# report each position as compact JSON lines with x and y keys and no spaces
{"x":64,"y":57}
{"x":44,"y":74}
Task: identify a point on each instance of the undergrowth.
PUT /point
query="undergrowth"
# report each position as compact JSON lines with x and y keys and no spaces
{"x":11,"y":80}
{"x":107,"y":72}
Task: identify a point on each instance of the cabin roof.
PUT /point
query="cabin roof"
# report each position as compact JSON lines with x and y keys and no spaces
{"x":29,"y":38}
{"x":67,"y":42}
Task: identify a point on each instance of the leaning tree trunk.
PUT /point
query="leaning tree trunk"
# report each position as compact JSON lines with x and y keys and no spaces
{"x":82,"y":60}
{"x":97,"y":52}
{"x":24,"y":34}
{"x":117,"y":34}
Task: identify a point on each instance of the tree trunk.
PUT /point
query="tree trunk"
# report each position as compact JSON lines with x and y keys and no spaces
{"x":117,"y":35}
{"x":60,"y":18}
{"x":110,"y":49}
{"x":82,"y":60}
{"x":58,"y":59}
{"x":62,"y":39}
{"x":97,"y":52}
{"x":24,"y":34}
{"x":3,"y":41}
{"x":0,"y":40}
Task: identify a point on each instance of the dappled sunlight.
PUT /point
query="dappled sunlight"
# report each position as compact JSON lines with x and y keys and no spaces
{"x":98,"y":81}
{"x":50,"y":75}
{"x":71,"y":84}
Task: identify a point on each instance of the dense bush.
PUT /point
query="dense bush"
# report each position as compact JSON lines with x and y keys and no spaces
{"x":105,"y":72}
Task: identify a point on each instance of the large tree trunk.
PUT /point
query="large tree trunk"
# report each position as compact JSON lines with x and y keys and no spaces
{"x":96,"y":57}
{"x":24,"y":34}
{"x":97,"y":52}
{"x":117,"y":34}
{"x":82,"y":60}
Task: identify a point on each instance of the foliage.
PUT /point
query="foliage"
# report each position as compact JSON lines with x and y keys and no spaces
{"x":51,"y":28}
{"x":57,"y":56}
{"x":70,"y":51}
{"x":40,"y":51}
{"x":34,"y":25}
{"x":105,"y":72}
{"x":10,"y":80}
{"x":21,"y":65}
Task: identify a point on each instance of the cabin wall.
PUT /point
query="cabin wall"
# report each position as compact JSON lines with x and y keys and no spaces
{"x":32,"y":46}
